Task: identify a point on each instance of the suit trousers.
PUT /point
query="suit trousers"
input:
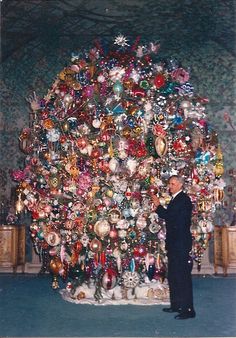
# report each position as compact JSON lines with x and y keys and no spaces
{"x":180,"y":280}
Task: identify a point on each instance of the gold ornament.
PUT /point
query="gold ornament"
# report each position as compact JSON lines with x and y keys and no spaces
{"x":111,"y":150}
{"x":218,"y":169}
{"x":81,"y":295}
{"x":219,"y":154}
{"x":19,"y":205}
{"x":126,"y":132}
{"x":109,"y":193}
{"x":138,"y":130}
{"x":65,"y":127}
{"x":161,"y":146}
{"x":102,"y":228}
{"x":55,"y":265}
{"x":67,"y":74}
{"x":219,"y":166}
{"x":52,"y":238}
{"x":95,"y":189}
{"x":55,"y":284}
{"x":218,"y":195}
{"x":75,"y":85}
{"x":54,"y":181}
{"x":48,"y":124}
{"x":204,"y":204}
{"x":47,"y":155}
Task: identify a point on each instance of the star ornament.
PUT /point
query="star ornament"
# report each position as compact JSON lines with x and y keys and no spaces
{"x":121,"y":40}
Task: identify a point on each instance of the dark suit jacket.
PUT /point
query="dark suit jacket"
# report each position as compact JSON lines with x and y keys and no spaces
{"x":178,"y":221}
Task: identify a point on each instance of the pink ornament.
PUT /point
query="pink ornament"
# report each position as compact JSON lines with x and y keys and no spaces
{"x":84,"y":181}
{"x":107,"y":201}
{"x":17,"y":175}
{"x":113,"y":233}
{"x":53,"y":251}
{"x":180,"y":75}
{"x":88,"y":91}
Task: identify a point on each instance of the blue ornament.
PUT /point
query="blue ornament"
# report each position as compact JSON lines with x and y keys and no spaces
{"x":118,"y":88}
{"x":131,"y":123}
{"x":177,"y":120}
{"x":202,"y":158}
{"x":126,"y":213}
{"x":82,"y":78}
{"x":185,"y":89}
{"x":151,"y":271}
{"x":132,"y":265}
{"x":132,"y":234}
{"x":118,"y":109}
{"x":111,"y":63}
{"x":73,"y":123}
{"x":50,"y":106}
{"x":143,"y":237}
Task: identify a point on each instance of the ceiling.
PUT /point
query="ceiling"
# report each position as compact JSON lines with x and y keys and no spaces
{"x":73,"y":23}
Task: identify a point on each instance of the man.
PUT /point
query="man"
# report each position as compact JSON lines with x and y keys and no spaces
{"x":177,"y":216}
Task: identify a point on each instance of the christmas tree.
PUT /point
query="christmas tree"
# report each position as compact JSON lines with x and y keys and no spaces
{"x":114,"y":126}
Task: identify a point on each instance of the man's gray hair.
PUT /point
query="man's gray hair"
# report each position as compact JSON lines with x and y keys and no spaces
{"x":180,"y":179}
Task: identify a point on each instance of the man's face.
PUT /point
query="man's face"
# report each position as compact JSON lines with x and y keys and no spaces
{"x":174,"y":186}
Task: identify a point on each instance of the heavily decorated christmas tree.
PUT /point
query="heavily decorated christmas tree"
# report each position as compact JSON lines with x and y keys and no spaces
{"x":115,"y":125}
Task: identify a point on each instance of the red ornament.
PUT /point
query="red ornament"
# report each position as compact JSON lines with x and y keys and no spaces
{"x":81,"y":143}
{"x":35,"y":215}
{"x":194,"y":176}
{"x":179,"y":145}
{"x":33,"y":233}
{"x":159,"y":81}
{"x":102,"y":258}
{"x":113,"y":234}
{"x":141,"y":152}
{"x":44,"y":114}
{"x":138,"y":92}
{"x":152,"y":190}
{"x":128,"y":194}
{"x":158,"y":130}
{"x":78,"y":246}
{"x":63,"y":139}
{"x":63,"y":88}
{"x":140,"y":251}
{"x":104,"y":166}
{"x":96,"y":153}
{"x":105,"y":136}
{"x":34,"y":160}
{"x":147,"y":58}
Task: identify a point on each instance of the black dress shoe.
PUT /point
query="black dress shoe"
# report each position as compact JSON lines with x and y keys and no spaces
{"x":170,"y":310}
{"x":186,"y":315}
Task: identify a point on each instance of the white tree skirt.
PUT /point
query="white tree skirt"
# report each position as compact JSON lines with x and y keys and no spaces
{"x":152,"y":293}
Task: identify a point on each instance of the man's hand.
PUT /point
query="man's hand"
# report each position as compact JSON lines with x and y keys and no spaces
{"x":155,"y":200}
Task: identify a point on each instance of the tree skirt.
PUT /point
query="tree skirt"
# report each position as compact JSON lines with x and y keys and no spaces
{"x":154,"y":293}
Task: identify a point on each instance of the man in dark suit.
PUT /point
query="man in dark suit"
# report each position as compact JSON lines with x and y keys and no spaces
{"x":177,"y":217}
